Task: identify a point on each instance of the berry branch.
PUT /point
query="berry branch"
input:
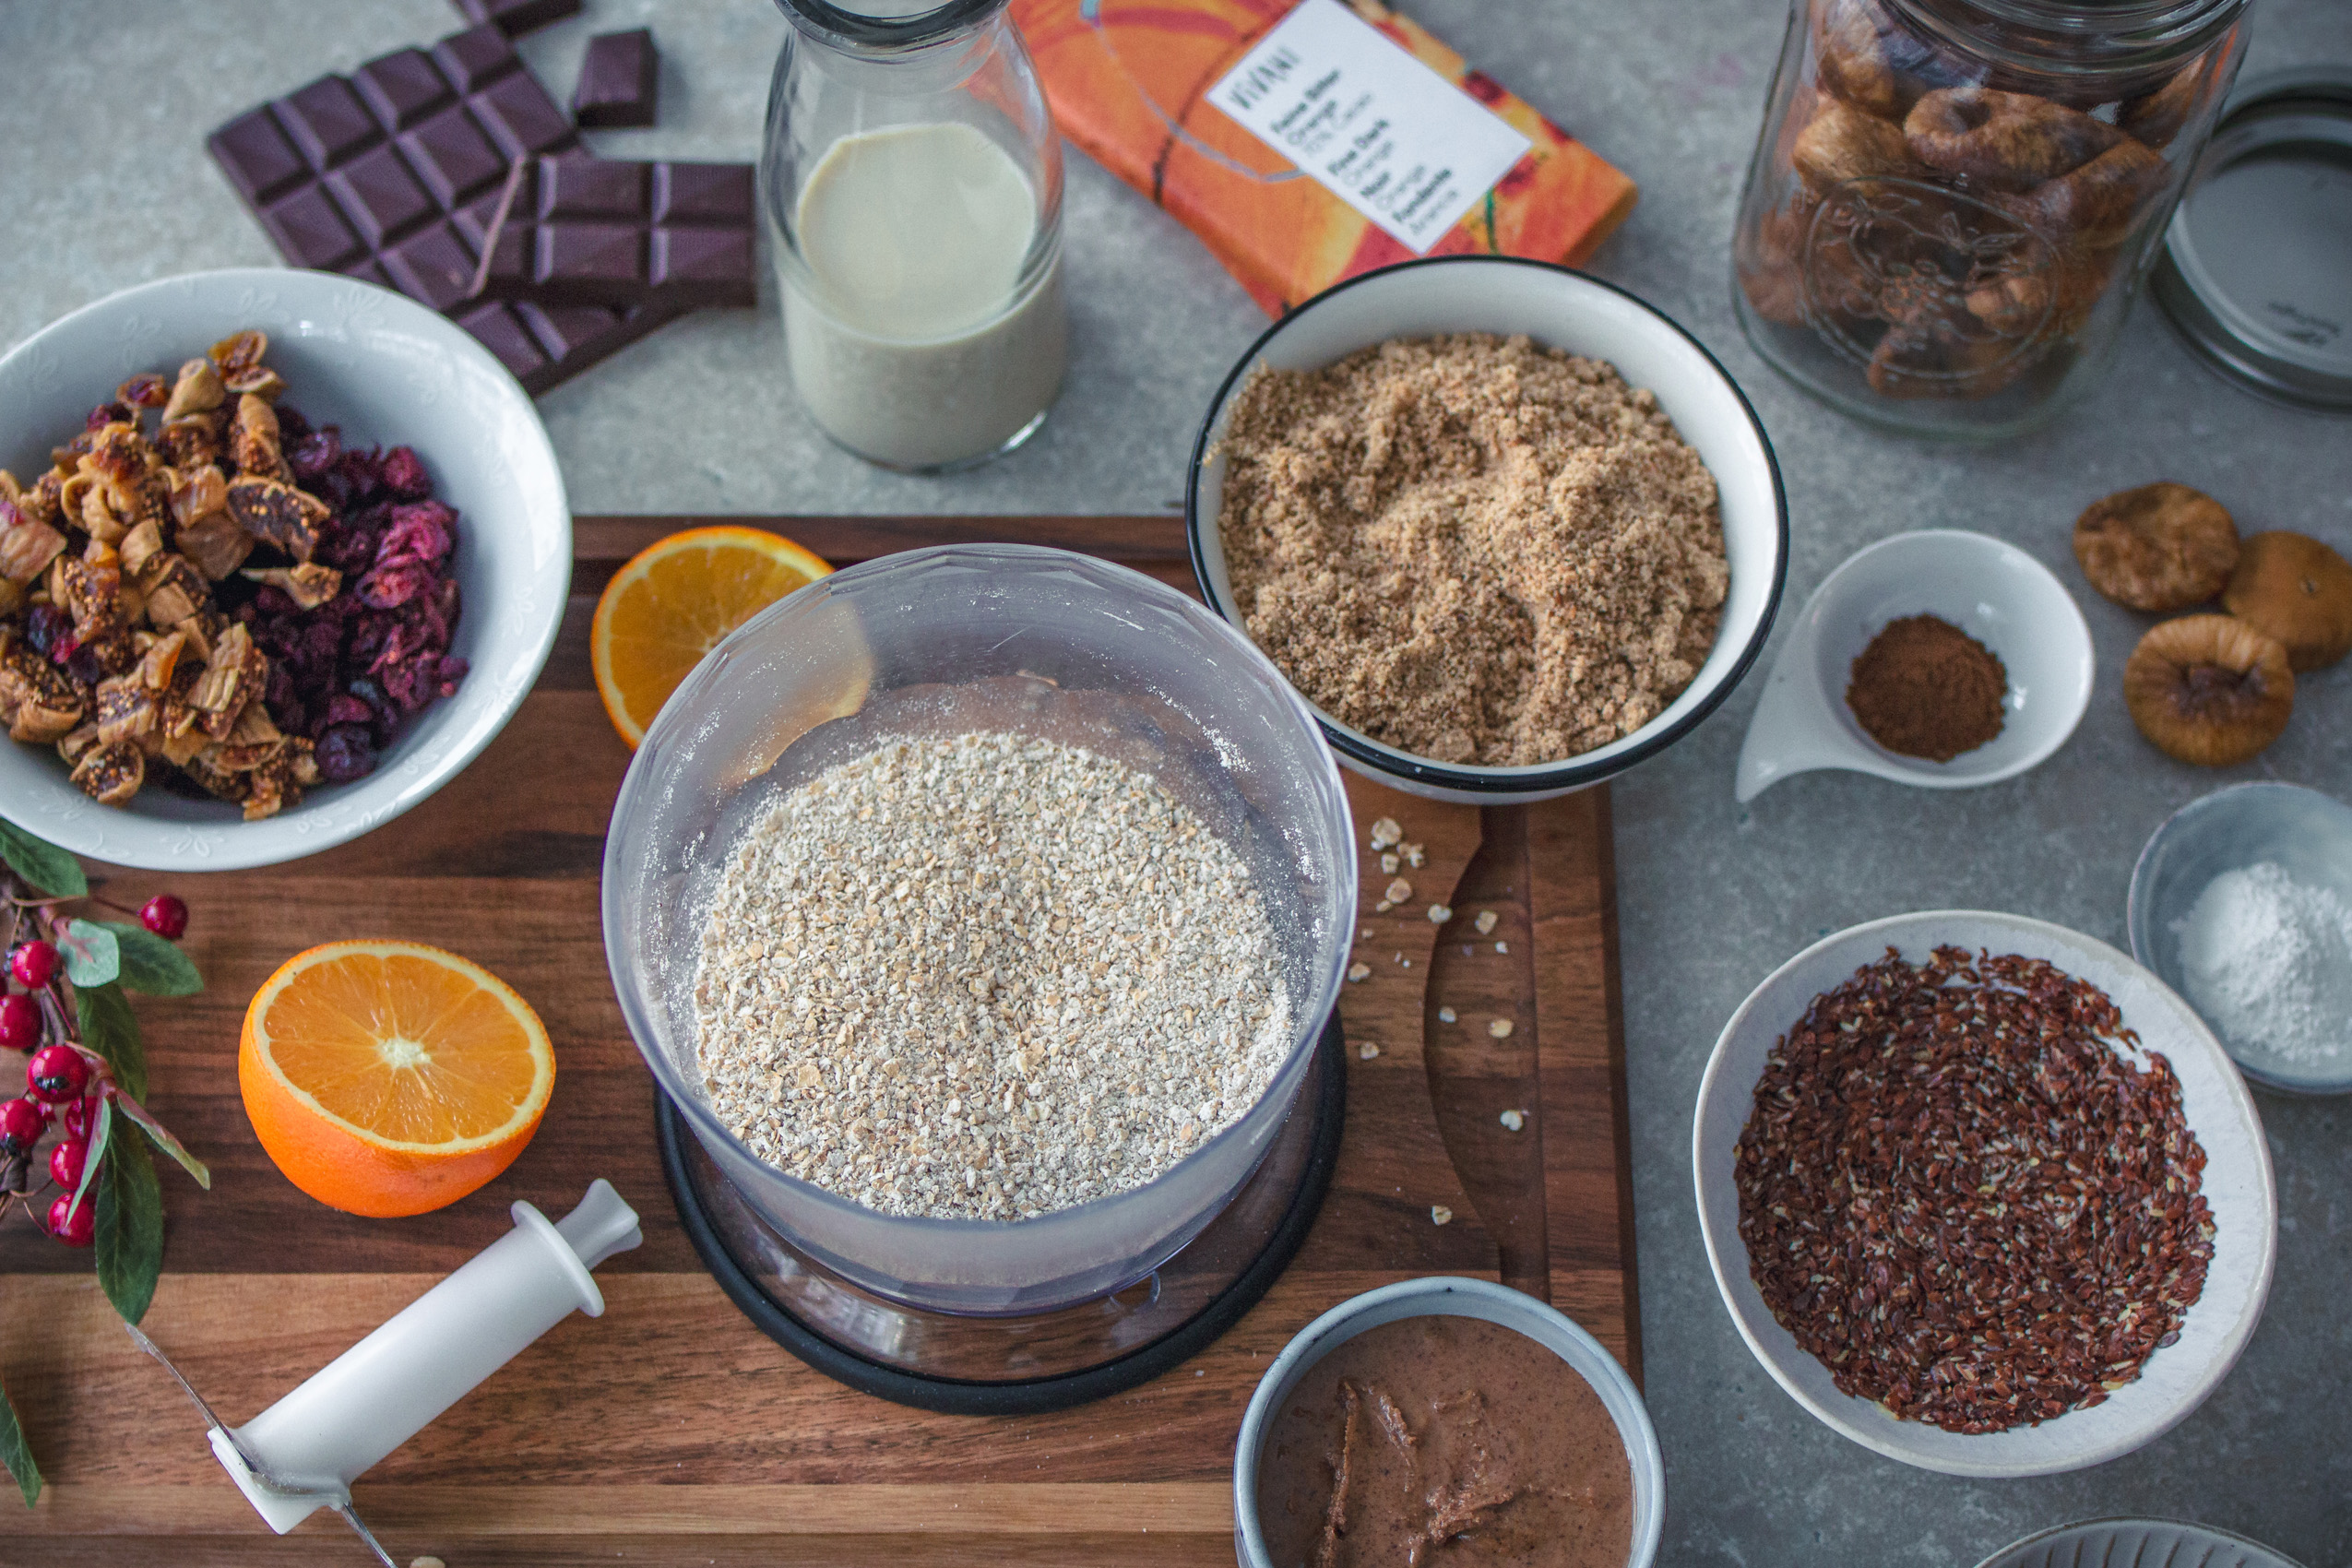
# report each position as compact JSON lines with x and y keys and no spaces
{"x":63,"y":1003}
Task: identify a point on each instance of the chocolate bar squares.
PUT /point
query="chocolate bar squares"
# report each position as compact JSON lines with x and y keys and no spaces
{"x":581,"y":229}
{"x":395,"y":174}
{"x":618,"y":80}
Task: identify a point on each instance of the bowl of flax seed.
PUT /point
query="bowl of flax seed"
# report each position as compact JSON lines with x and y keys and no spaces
{"x":1982,"y":1193}
{"x":1508,"y":529}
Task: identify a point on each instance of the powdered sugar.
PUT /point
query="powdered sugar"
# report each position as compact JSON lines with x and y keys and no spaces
{"x":2268,"y":961}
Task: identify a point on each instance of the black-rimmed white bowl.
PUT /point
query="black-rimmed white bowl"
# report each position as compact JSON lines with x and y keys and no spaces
{"x":1561,"y":309}
{"x":2237,"y":1186}
{"x":389,"y":372}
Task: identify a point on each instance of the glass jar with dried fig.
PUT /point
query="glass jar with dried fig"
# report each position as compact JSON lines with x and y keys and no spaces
{"x":1953,"y":202}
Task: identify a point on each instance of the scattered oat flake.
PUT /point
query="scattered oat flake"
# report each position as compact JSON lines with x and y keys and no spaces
{"x":1503,"y":948}
{"x":1383,"y":906}
{"x":1399,"y":891}
{"x":426,"y":1563}
{"x":1439,"y":1215}
{"x":1500,"y":1029}
{"x":1358,"y":971}
{"x":1485,"y":921}
{"x":1513,"y":1119}
{"x":1439,"y":914}
{"x":1413,"y":856}
{"x":1445,"y":1015}
{"x":1389,"y":864}
{"x":1367,"y":1050}
{"x":1385,"y":832}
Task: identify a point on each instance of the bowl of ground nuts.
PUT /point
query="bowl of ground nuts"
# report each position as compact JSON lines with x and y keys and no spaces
{"x":281,"y":552}
{"x":1982,"y":1193}
{"x":1509,"y":529}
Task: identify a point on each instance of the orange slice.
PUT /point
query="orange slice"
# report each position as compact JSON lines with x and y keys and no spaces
{"x":674,"y":601}
{"x":389,"y":1078}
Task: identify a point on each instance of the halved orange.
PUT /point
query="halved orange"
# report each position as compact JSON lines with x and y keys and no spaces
{"x":389,"y":1078}
{"x":674,"y":601}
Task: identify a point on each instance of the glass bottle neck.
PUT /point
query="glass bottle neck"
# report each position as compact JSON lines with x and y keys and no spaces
{"x":881,"y":29}
{"x":2075,"y":38}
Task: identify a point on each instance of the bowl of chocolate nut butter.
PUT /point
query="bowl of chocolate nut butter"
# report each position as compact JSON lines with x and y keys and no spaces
{"x":1451,"y":1423}
{"x":1508,"y":529}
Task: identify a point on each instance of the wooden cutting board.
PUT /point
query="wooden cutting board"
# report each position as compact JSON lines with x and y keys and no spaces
{"x":671,"y":1430}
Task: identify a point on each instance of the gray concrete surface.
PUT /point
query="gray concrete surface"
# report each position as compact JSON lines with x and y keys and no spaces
{"x":104,"y":184}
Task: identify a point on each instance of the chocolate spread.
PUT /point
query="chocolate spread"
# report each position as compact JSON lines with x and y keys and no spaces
{"x":1449,"y":1442}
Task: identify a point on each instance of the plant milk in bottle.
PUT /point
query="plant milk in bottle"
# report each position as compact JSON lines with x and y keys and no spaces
{"x":918,"y":331}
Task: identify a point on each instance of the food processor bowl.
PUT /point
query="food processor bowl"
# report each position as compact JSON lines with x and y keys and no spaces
{"x":941,"y":642}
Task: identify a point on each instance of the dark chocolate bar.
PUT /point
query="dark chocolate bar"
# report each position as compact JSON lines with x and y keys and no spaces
{"x":516,"y":18}
{"x":581,"y":229}
{"x":617,"y":80}
{"x":393,"y":174}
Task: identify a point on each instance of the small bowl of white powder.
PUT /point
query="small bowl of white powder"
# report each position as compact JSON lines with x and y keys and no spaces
{"x":2242,"y":903}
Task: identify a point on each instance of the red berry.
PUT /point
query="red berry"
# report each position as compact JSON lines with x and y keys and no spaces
{"x":20,"y":1022}
{"x":57,"y":1074}
{"x":65,"y":1162}
{"x":34,"y":964}
{"x":70,"y":1225}
{"x":79,"y":1116}
{"x":165,"y":916}
{"x":21,"y":1124}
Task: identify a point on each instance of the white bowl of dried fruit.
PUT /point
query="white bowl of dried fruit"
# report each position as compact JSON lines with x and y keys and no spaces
{"x":1982,"y":1193}
{"x":281,"y":552}
{"x":1507,"y":528}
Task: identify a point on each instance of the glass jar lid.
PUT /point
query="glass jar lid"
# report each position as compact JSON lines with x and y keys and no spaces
{"x":2257,"y":264}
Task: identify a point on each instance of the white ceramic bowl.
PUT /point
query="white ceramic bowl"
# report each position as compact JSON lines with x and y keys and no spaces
{"x":1993,"y":592}
{"x":2308,"y":833}
{"x":2237,"y":1186}
{"x":389,"y":372}
{"x":1563,"y":310}
{"x":1443,"y":1295}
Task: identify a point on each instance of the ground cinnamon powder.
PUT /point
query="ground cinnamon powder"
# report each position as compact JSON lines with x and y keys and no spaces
{"x":1473,"y":548}
{"x":1925,"y":688}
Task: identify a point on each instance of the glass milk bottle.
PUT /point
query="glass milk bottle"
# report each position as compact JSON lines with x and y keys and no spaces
{"x":914,"y":183}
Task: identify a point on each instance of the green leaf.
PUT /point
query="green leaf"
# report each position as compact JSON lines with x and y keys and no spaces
{"x":130,"y":1229}
{"x":41,"y":863}
{"x":92,"y":956}
{"x":16,"y":1453}
{"x":101,"y":1130}
{"x":150,"y":964}
{"x":109,"y":1027}
{"x":162,"y":1139}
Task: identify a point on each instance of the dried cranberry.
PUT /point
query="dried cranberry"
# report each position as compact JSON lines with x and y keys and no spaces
{"x":344,"y":708}
{"x":364,"y":471}
{"x":388,"y":588}
{"x":314,"y":454}
{"x":106,"y":414}
{"x":83,"y":664}
{"x":345,"y":753}
{"x":403,"y":474}
{"x":45,"y":626}
{"x":291,"y":425}
{"x":273,"y":603}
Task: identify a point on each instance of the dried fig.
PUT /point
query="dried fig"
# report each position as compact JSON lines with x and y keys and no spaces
{"x":2161,"y":547}
{"x":2293,"y":587}
{"x":1852,"y":61}
{"x":2209,"y":689}
{"x":2093,"y":205}
{"x":2156,"y":117}
{"x":1843,"y":143}
{"x":2003,"y":142}
{"x":1769,"y":262}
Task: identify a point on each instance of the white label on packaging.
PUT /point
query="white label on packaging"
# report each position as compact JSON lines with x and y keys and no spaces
{"x":1369,"y":123}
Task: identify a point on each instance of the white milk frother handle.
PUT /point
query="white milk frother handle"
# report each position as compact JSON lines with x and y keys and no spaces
{"x":382,"y":1391}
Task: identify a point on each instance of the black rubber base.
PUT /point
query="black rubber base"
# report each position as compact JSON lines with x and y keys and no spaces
{"x":958,"y":1397}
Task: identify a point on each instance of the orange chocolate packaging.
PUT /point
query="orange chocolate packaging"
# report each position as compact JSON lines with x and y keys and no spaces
{"x":1129,"y":80}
